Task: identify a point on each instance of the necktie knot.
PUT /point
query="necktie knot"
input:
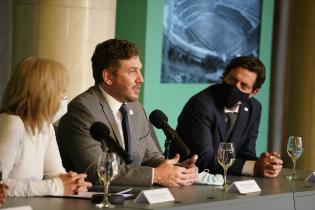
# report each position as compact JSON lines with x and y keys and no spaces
{"x":123,"y":109}
{"x":231,"y":116}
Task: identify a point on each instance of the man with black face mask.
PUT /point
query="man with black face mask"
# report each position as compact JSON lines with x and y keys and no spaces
{"x":227,"y":112}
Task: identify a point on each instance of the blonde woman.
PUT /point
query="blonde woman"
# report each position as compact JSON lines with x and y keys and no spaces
{"x":29,"y":153}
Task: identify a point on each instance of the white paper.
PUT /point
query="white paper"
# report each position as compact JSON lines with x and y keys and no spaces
{"x":90,"y":194}
{"x":19,"y":208}
{"x":80,"y":195}
{"x":311,"y":177}
{"x":154,"y":196}
{"x":244,"y":187}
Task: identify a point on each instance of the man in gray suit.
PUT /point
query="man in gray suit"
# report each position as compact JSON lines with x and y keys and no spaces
{"x":118,"y":79}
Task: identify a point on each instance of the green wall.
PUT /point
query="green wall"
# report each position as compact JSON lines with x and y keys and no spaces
{"x":141,"y":22}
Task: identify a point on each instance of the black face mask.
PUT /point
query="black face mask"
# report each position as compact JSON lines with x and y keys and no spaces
{"x":230,"y":95}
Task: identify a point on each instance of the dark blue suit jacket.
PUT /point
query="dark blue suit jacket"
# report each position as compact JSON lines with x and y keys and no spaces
{"x":202,"y":127}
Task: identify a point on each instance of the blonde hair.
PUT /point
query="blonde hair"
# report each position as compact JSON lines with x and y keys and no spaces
{"x":34,"y":91}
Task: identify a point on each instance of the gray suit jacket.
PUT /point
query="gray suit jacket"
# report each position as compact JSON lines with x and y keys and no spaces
{"x":79,"y":151}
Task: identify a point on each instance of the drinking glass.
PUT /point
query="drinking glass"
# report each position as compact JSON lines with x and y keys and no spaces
{"x":107,"y":169}
{"x":226,"y":158}
{"x":1,"y":173}
{"x":2,"y":185}
{"x":2,"y":179}
{"x":294,"y":150}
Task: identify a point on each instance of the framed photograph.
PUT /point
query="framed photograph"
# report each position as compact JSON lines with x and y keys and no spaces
{"x":201,"y":36}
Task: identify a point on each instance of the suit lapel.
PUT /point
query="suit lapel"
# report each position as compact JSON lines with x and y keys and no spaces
{"x":222,"y":125}
{"x":108,"y":114}
{"x":220,"y":112}
{"x":132,"y":125}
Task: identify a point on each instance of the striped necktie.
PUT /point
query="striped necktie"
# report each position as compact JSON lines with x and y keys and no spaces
{"x":231,"y":118}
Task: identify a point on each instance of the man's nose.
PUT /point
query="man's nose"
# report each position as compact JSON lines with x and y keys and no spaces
{"x":139,"y":78}
{"x":238,"y":85}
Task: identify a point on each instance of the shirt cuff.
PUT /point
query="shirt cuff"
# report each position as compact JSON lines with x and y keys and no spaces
{"x":152,"y":176}
{"x":248,"y":168}
{"x":55,"y":187}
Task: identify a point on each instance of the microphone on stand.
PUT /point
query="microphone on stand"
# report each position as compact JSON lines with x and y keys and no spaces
{"x":100,"y":132}
{"x":159,"y":120}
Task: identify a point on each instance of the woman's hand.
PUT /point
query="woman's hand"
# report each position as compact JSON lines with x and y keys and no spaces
{"x":74,"y":183}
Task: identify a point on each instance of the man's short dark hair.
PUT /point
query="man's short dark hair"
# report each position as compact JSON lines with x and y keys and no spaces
{"x":251,"y":63}
{"x":107,"y":55}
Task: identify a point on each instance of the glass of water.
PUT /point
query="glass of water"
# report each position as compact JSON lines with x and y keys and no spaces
{"x":226,"y":158}
{"x":107,"y":169}
{"x":294,"y":150}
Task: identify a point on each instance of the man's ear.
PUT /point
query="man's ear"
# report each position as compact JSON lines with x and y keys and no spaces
{"x":107,"y":77}
{"x":255,"y":91}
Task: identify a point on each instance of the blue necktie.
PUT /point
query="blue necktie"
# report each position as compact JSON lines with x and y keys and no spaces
{"x":125,"y":127}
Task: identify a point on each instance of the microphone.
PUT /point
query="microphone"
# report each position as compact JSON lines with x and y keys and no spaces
{"x":100,"y":132}
{"x":159,"y":120}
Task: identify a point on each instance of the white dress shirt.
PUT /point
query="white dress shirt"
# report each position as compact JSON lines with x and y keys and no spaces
{"x":31,"y":163}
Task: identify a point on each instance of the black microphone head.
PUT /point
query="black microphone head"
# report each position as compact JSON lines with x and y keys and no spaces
{"x":98,"y":129}
{"x":158,"y":118}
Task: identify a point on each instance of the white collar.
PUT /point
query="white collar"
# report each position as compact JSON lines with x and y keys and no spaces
{"x":227,"y":110}
{"x":112,"y":102}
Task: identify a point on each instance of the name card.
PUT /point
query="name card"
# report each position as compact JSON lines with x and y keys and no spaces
{"x":19,"y":208}
{"x":310,"y":178}
{"x":154,"y":196}
{"x":244,"y":187}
